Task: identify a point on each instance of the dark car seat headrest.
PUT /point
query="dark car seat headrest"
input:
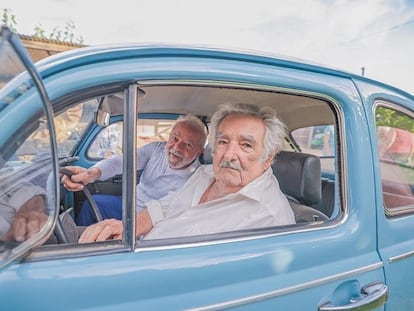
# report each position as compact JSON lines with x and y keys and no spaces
{"x":299,"y":176}
{"x":207,"y":157}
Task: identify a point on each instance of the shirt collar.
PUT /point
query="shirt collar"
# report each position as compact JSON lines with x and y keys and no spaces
{"x":254,"y":190}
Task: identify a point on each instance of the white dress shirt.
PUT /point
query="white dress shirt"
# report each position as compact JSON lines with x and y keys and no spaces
{"x":157,"y":178}
{"x":258,"y":204}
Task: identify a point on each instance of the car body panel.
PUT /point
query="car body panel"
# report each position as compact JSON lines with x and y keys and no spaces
{"x":395,"y":237}
{"x":297,"y":268}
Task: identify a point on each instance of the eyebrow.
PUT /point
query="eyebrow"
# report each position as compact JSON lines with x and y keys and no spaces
{"x":249,"y":138}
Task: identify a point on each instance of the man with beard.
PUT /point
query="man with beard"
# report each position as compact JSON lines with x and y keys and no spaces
{"x":165,"y":166}
{"x":238,"y":191}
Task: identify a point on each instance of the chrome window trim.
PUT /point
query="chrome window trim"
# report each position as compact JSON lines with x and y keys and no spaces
{"x":342,"y":175}
{"x":129,"y":165}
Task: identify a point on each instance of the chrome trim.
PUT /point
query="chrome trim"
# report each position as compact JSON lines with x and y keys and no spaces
{"x":373,"y":296}
{"x":289,"y":290}
{"x":403,"y":256}
{"x":129,"y":165}
{"x":70,"y":251}
{"x":399,"y":210}
{"x":161,"y":245}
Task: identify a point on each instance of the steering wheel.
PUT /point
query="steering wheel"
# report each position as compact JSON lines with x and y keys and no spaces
{"x":59,"y":231}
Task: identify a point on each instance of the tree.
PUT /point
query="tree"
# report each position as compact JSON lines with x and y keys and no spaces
{"x":389,"y":117}
{"x":9,"y":19}
{"x":67,"y":34}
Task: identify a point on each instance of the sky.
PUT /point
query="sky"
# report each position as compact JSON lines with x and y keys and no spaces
{"x":377,"y":35}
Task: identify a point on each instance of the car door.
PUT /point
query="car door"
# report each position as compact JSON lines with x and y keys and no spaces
{"x":393,"y":117}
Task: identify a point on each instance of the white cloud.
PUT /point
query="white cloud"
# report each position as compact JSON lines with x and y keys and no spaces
{"x":347,"y":34}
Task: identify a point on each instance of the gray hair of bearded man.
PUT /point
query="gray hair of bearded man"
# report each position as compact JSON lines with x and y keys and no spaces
{"x":198,"y":126}
{"x":275,"y":128}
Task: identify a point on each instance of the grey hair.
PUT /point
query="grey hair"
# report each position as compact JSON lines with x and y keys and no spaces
{"x":275,"y":128}
{"x":196,"y":124}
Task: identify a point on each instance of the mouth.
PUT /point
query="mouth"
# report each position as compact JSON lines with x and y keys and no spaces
{"x":175,"y":155}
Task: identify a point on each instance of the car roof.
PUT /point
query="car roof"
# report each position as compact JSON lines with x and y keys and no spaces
{"x":199,"y":99}
{"x":108,"y":52}
{"x":77,"y":57}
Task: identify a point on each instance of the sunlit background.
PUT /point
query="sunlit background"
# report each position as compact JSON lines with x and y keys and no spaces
{"x":370,"y":37}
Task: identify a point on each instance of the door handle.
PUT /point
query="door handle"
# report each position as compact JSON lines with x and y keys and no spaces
{"x":372,"y":296}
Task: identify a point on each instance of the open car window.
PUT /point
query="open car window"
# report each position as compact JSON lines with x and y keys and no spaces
{"x":108,"y":141}
{"x":323,"y":182}
{"x":99,"y":141}
{"x":70,"y":125}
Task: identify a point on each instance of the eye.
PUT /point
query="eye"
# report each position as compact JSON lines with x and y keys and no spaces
{"x":221,"y":142}
{"x":189,"y":146}
{"x":247,"y":147}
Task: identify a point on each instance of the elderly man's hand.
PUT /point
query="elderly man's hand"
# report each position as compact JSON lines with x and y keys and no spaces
{"x":112,"y":229}
{"x":28,"y":221}
{"x":108,"y":229}
{"x":81,"y":177}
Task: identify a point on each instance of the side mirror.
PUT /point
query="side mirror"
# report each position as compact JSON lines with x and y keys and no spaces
{"x":102,"y":117}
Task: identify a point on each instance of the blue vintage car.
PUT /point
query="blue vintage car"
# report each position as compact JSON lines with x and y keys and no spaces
{"x":346,"y":168}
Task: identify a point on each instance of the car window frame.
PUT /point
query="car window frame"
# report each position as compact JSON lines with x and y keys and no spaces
{"x":400,"y":211}
{"x":128,"y":243}
{"x":22,"y":249}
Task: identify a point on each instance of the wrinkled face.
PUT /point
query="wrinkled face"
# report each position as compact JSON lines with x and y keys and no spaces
{"x":237,"y":151}
{"x":183,"y":146}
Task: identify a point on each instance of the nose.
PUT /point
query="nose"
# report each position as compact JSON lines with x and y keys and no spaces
{"x":179,"y":144}
{"x":231,"y":152}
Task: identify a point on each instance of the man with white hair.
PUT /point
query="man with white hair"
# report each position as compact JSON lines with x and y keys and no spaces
{"x":165,"y":167}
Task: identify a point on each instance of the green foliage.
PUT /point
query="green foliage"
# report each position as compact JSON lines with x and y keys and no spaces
{"x":39,"y":32}
{"x":67,"y":34}
{"x":388,"y":117}
{"x":9,"y":19}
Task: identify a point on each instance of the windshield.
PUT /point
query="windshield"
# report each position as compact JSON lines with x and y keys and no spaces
{"x":70,"y":124}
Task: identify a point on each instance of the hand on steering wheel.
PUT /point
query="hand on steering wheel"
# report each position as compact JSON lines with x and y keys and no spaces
{"x":87,"y":194}
{"x":59,"y":231}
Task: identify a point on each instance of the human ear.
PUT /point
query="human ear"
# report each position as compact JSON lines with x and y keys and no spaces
{"x":269,"y":160}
